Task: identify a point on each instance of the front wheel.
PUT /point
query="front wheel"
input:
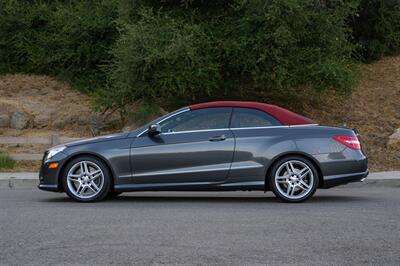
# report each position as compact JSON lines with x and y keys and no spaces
{"x":86,"y":179}
{"x":293,"y":179}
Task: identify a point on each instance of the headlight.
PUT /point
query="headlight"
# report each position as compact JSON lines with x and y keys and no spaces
{"x":54,"y":151}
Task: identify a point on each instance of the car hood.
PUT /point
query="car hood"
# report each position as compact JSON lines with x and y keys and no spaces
{"x":96,"y":139}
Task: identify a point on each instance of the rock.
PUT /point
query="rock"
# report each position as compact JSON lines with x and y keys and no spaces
{"x":41,"y":121}
{"x":19,"y":120}
{"x":4,"y":120}
{"x":394,"y":139}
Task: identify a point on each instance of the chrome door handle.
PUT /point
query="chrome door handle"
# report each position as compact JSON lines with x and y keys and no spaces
{"x":218,"y":138}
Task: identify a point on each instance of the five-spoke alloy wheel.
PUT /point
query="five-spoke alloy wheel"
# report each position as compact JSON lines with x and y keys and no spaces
{"x":293,"y":179}
{"x":86,"y":179}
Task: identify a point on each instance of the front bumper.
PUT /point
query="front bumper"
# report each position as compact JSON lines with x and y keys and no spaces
{"x":53,"y":188}
{"x":48,"y":178}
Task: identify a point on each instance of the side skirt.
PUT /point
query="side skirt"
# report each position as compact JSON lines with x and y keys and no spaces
{"x":198,"y":186}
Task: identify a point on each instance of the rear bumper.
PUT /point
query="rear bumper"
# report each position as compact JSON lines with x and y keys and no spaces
{"x":335,"y":180}
{"x":343,"y":167}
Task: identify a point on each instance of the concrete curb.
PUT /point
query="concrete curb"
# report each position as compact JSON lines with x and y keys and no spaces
{"x":389,"y":175}
{"x":27,"y":156}
{"x":31,"y":179}
{"x":20,"y":175}
{"x":19,"y":180}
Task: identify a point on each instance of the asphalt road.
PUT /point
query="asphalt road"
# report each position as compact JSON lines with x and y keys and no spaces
{"x":341,"y":226}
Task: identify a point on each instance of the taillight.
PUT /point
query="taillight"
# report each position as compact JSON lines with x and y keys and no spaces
{"x":350,"y":141}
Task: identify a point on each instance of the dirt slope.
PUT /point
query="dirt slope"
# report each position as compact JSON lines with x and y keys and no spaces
{"x":51,"y":105}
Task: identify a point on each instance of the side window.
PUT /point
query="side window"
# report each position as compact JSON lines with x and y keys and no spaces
{"x":246,"y":117}
{"x":207,"y":118}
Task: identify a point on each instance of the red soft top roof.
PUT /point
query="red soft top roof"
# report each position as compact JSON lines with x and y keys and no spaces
{"x":285,"y":116}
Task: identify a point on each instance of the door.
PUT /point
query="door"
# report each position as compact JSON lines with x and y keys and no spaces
{"x":193,"y":147}
{"x":256,"y":133}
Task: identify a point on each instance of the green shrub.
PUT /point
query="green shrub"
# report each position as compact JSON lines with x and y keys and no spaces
{"x":69,"y":39}
{"x":283,"y":43}
{"x":180,"y":49}
{"x":376,"y":28}
{"x":6,"y":162}
{"x":160,"y":56}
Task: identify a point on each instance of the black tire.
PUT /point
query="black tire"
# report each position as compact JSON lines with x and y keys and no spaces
{"x":313,"y":182}
{"x":106,"y":185}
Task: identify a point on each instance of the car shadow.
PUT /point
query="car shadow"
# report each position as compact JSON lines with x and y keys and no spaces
{"x":228,"y":199}
{"x":217,"y":199}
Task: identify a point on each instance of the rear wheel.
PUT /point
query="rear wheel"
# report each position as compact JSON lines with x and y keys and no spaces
{"x":293,"y":179}
{"x":86,"y":179}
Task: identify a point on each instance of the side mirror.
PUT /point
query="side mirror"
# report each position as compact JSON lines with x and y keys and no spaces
{"x":154,"y":130}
